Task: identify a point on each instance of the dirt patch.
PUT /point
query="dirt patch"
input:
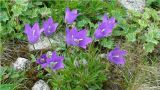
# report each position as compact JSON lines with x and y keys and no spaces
{"x":13,"y":50}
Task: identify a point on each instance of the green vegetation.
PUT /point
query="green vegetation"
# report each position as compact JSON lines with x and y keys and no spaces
{"x":137,"y":33}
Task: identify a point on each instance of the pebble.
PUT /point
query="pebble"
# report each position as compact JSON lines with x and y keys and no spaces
{"x":135,"y":5}
{"x":40,"y":85}
{"x":21,"y":64}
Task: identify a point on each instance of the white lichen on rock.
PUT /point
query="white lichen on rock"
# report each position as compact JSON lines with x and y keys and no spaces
{"x":21,"y":64}
{"x":40,"y":85}
{"x":135,"y":5}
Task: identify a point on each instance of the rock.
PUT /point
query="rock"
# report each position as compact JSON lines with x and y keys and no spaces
{"x":21,"y":64}
{"x":147,"y":87}
{"x":43,"y":43}
{"x":49,"y":54}
{"x":103,"y":55}
{"x":136,"y":5}
{"x":40,"y":85}
{"x":57,"y":41}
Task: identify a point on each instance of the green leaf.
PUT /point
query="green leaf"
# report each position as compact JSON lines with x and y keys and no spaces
{"x":2,"y":72}
{"x":109,"y":43}
{"x":45,"y":11}
{"x":153,"y":34}
{"x":19,"y":36}
{"x":17,"y":10}
{"x":136,"y":14}
{"x":145,"y":15}
{"x":150,"y":38}
{"x":32,"y":13}
{"x":142,"y":23}
{"x":20,"y":2}
{"x":16,"y":75}
{"x":33,"y":58}
{"x":3,"y":16}
{"x":82,"y":23}
{"x":155,"y":16}
{"x":38,"y":3}
{"x":19,"y":7}
{"x":149,"y":2}
{"x":7,"y":86}
{"x":131,"y":37}
{"x":148,"y":47}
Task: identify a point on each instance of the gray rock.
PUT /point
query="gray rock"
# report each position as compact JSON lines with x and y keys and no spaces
{"x":40,"y":85}
{"x":43,"y":43}
{"x":49,"y":54}
{"x":135,"y":5}
{"x":103,"y":55}
{"x":57,"y":41}
{"x":21,"y":64}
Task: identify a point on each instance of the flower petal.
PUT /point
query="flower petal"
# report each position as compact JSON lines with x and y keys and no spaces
{"x":70,"y":16}
{"x":27,"y":28}
{"x":85,"y":42}
{"x":105,"y":18}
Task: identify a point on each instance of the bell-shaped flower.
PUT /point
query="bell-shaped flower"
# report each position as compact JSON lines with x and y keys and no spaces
{"x":116,"y":56}
{"x":70,"y":16}
{"x":55,"y":62}
{"x":105,"y":28}
{"x":33,"y":34}
{"x":42,"y":60}
{"x":49,"y":26}
{"x":77,"y":38}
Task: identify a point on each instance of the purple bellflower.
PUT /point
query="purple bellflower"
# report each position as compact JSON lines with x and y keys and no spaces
{"x":42,"y":60}
{"x":77,"y":38}
{"x":116,"y":56}
{"x":70,"y":16}
{"x":105,"y":28}
{"x":54,"y":63}
{"x":49,"y":26}
{"x":33,"y":34}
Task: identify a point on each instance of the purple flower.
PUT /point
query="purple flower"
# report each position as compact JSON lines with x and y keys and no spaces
{"x":33,"y":34}
{"x":70,"y":16}
{"x":105,"y":28}
{"x":42,"y":60}
{"x":116,"y":56}
{"x":75,"y":38}
{"x":49,"y":26}
{"x":54,"y":63}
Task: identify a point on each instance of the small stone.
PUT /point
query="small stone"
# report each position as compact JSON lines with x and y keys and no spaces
{"x":43,"y":43}
{"x":58,"y":41}
{"x":49,"y":54}
{"x":21,"y":64}
{"x":103,"y":55}
{"x":135,"y":5}
{"x":40,"y":85}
